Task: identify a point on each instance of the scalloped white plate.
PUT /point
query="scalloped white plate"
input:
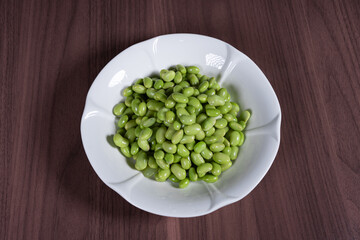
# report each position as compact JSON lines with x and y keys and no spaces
{"x":247,"y":85}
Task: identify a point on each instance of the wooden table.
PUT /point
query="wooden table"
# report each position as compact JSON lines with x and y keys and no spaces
{"x":50,"y":53}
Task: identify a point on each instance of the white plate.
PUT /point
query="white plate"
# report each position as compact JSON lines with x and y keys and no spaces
{"x":247,"y":85}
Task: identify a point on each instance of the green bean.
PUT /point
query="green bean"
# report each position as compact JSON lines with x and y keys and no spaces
{"x":202,"y":169}
{"x":184,"y":183}
{"x":216,"y":170}
{"x":120,"y":141}
{"x":193,"y":175}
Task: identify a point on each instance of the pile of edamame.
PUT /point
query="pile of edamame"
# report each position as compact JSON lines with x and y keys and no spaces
{"x":180,"y":126}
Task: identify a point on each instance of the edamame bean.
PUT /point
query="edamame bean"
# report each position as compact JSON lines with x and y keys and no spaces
{"x":187,"y":139}
{"x":127,"y":92}
{"x":134,"y":148}
{"x":215,"y":100}
{"x":236,"y":126}
{"x":144,"y":144}
{"x":125,"y":151}
{"x":176,"y":125}
{"x":187,"y":119}
{"x":145,"y":133}
{"x":184,"y":183}
{"x":221,"y":158}
{"x":213,"y":139}
{"x":190,"y":146}
{"x":226,"y":166}
{"x":182,"y":150}
{"x":209,"y":178}
{"x":173,"y":178}
{"x":227,"y":151}
{"x":162,"y":175}
{"x":201,"y":118}
{"x":168,"y":85}
{"x":180,"y":98}
{"x":148,"y":122}
{"x":192,"y":69}
{"x":160,"y":134}
{"x":158,"y":84}
{"x":217,"y":147}
{"x":139,"y":88}
{"x":202,"y":98}
{"x":130,"y":134}
{"x":148,"y":82}
{"x":208,"y":123}
{"x":210,"y":132}
{"x":199,"y":147}
{"x":234,"y":138}
{"x":119,"y":109}
{"x":185,"y":163}
{"x":207,"y":154}
{"x":166,"y":75}
{"x":159,"y":154}
{"x":190,"y":109}
{"x":169,"y":103}
{"x":178,"y":77}
{"x":169,"y":147}
{"x":189,"y":91}
{"x":200,"y":135}
{"x":229,"y":117}
{"x":178,"y":171}
{"x":193,"y":175}
{"x":169,"y":158}
{"x":216,"y":170}
{"x":120,"y":141}
{"x":192,"y":129}
{"x":212,"y":112}
{"x":122,"y":121}
{"x":196,"y":158}
{"x":203,"y":86}
{"x":170,"y":117}
{"x":202,"y":169}
{"x":177,"y":158}
{"x":169,"y":133}
{"x":181,"y":69}
{"x":152,"y":162}
{"x":193,"y":79}
{"x":221,"y":123}
{"x":177,"y":136}
{"x":141,"y":161}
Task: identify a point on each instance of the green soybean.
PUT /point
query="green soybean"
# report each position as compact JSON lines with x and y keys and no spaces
{"x":184,"y":183}
{"x":177,"y":136}
{"x":169,"y":147}
{"x":209,"y":178}
{"x":187,"y":139}
{"x":217,"y":147}
{"x":178,"y":171}
{"x":196,"y":158}
{"x":202,"y":169}
{"x":192,"y":129}
{"x":182,"y":150}
{"x":207,"y":154}
{"x":185,"y":163}
{"x":193,"y":175}
{"x":119,"y":109}
{"x":216,"y":170}
{"x":221,"y":158}
{"x":120,"y":141}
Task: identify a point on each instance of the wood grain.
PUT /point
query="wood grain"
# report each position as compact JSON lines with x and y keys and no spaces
{"x":50,"y":53}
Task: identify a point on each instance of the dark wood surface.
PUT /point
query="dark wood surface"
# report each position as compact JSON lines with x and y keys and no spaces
{"x":50,"y":53}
